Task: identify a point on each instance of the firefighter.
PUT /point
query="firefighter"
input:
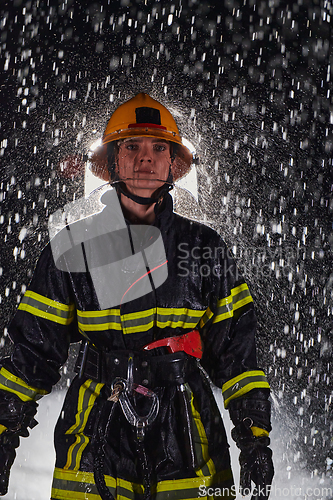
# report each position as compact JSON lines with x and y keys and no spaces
{"x":139,"y":420}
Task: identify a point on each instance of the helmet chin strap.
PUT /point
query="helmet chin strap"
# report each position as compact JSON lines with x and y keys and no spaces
{"x":141,"y":200}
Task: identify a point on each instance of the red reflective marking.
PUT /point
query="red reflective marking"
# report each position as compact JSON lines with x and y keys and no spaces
{"x":146,"y":125}
{"x":146,"y":274}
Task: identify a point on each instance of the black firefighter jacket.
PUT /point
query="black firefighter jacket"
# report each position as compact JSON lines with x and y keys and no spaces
{"x":203,"y":291}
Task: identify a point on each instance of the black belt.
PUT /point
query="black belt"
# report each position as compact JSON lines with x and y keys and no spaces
{"x":148,"y":370}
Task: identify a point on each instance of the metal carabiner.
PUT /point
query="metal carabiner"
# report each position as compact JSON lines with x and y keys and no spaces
{"x":130,"y":378}
{"x":136,"y":420}
{"x":140,"y":422}
{"x":117,"y":387}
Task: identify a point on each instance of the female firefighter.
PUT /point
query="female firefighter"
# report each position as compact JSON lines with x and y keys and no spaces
{"x":139,"y":420}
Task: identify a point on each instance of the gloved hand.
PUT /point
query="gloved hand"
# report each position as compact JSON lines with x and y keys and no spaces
{"x":255,"y":460}
{"x":15,"y":418}
{"x":8,"y":443}
{"x":251,"y":417}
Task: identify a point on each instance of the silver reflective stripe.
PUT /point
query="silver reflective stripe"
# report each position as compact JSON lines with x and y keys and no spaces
{"x":110,"y":319}
{"x":244,"y":383}
{"x":15,"y":385}
{"x":79,"y":485}
{"x":239,"y":296}
{"x":88,"y":393}
{"x":41,"y":306}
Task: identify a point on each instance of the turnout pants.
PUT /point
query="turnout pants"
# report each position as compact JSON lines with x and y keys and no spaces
{"x":182,"y":454}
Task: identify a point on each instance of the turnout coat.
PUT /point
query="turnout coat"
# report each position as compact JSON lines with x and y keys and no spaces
{"x":94,"y":441}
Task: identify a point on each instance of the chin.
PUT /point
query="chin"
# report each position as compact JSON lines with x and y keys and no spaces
{"x":145,"y":184}
{"x":145,"y":188}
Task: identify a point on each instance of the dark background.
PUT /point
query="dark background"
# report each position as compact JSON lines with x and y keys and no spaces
{"x":249,"y":83}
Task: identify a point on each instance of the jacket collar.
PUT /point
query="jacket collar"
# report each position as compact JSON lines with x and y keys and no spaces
{"x":164,"y":213}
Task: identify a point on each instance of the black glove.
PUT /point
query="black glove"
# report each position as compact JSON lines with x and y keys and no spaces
{"x":16,"y":415}
{"x":8,"y":443}
{"x":253,"y":410}
{"x":255,"y":460}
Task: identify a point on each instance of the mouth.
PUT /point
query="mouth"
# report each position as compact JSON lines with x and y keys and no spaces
{"x":143,"y":176}
{"x":144,"y":171}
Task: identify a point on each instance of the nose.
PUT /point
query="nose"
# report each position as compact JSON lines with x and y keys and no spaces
{"x":145,"y":154}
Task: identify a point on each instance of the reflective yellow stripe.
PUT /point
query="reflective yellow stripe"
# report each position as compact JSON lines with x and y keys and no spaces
{"x":234,"y":291}
{"x":176,"y":324}
{"x":241,"y":303}
{"x":78,"y":485}
{"x":45,"y":308}
{"x":163,"y":317}
{"x":49,"y":302}
{"x":138,"y":329}
{"x":239,"y":296}
{"x":141,"y":321}
{"x":225,"y":301}
{"x":45,"y":315}
{"x":223,"y":316}
{"x":206,"y":317}
{"x":200,"y":438}
{"x":15,"y":385}
{"x":60,"y":494}
{"x":243,"y":383}
{"x":2,"y":429}
{"x":239,"y":378}
{"x":107,"y":319}
{"x":70,"y":485}
{"x":88,"y":393}
{"x":139,"y":314}
{"x":164,"y":311}
{"x":75,"y":451}
{"x":239,"y":288}
{"x":97,"y":327}
{"x":98,"y":314}
{"x":180,"y":489}
{"x":256,"y":431}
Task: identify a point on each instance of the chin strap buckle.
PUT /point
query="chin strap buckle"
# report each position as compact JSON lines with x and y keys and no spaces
{"x":189,"y":342}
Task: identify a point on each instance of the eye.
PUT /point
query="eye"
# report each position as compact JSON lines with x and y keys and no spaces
{"x":159,"y":147}
{"x":131,"y":147}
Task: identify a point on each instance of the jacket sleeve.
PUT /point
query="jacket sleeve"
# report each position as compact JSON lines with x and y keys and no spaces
{"x":228,"y":330}
{"x":41,"y":331}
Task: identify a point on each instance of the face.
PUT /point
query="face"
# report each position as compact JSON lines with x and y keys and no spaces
{"x":143,"y":163}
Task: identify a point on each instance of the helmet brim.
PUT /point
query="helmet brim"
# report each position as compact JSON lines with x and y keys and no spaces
{"x":143,"y":131}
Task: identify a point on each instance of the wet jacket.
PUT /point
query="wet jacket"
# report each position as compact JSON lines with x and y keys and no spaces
{"x":94,"y":441}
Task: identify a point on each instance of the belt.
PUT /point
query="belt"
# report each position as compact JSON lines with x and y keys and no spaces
{"x":148,"y":370}
{"x":124,"y":371}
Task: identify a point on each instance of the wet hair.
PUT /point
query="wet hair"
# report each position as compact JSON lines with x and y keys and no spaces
{"x":112,"y":153}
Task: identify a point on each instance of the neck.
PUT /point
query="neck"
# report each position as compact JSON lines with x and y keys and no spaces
{"x":136,"y":213}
